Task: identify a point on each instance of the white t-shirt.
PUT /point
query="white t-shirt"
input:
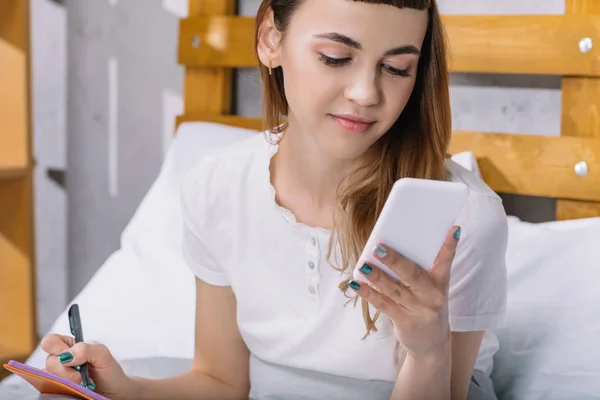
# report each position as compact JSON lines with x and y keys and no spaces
{"x":290,"y":311}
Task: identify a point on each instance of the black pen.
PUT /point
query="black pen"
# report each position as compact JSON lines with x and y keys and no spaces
{"x":77,"y":331}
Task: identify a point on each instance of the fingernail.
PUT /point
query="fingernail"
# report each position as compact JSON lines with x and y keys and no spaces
{"x":380,"y":251}
{"x":65,"y":357}
{"x":366,"y":269}
{"x":354,"y":285}
{"x":457,"y":234}
{"x":90,"y":385}
{"x":77,"y":367}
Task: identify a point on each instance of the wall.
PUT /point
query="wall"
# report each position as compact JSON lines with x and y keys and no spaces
{"x":49,"y":80}
{"x":124,"y":89}
{"x":112,"y":65}
{"x":124,"y":92}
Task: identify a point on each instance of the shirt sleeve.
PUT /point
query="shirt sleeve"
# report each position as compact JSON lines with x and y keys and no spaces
{"x":197,"y":232}
{"x":478,"y":281}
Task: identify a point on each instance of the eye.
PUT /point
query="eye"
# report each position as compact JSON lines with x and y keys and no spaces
{"x":333,"y":62}
{"x":397,"y":72}
{"x":338,"y":62}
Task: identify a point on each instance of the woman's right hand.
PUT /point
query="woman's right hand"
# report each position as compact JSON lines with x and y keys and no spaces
{"x":105,"y":372}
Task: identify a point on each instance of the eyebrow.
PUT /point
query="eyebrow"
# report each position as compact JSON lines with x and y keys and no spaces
{"x":343,"y":39}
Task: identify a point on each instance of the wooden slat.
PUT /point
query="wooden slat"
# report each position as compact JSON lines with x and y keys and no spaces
{"x":519,"y":164}
{"x":13,"y":102}
{"x":582,"y":6}
{"x":525,"y":44}
{"x":580,"y":112}
{"x":11,"y":172}
{"x":12,"y":13}
{"x":534,"y":165}
{"x":547,"y":44}
{"x":224,"y":41}
{"x":210,"y":7}
{"x":17,"y":316}
{"x":576,"y":209}
{"x":580,"y":107}
{"x":207,"y":89}
{"x":232,"y":120}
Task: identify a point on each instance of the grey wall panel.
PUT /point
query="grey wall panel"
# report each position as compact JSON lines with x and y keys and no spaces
{"x":122,"y":63}
{"x":49,"y":115}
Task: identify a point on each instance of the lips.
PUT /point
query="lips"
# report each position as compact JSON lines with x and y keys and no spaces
{"x":353,"y":123}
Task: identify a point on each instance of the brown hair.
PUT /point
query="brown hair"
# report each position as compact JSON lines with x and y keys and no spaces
{"x":415,"y":146}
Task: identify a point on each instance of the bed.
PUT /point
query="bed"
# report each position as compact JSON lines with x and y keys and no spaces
{"x":140,"y":302}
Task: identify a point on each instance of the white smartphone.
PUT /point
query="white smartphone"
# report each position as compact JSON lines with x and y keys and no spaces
{"x":414,"y":221}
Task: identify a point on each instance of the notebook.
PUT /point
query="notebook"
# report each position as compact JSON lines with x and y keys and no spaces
{"x":48,"y":383}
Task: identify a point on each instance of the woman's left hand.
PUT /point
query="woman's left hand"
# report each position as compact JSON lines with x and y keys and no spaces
{"x":418,"y":306}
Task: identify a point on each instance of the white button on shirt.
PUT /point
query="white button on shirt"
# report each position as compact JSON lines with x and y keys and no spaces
{"x":290,"y":309}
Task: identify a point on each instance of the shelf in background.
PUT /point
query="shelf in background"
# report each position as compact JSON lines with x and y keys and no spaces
{"x":12,"y":172}
{"x":18,"y":336}
{"x":7,"y":354}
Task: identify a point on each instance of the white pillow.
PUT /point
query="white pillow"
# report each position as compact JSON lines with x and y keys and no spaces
{"x":141,"y":301}
{"x":549,"y":349}
{"x":570,"y":224}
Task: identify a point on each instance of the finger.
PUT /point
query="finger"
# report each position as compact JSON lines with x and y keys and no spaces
{"x":97,"y":355}
{"x":54,"y":366}
{"x":411,"y":274}
{"x":391,"y":288}
{"x":376,"y":299}
{"x":78,"y":353}
{"x":443,"y":262}
{"x":55,"y":344}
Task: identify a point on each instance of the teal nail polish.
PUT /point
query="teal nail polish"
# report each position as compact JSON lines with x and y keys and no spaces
{"x":77,"y":368}
{"x":65,"y":357}
{"x":366,"y":269}
{"x":457,"y":234}
{"x":91,"y":385}
{"x":354,"y":285}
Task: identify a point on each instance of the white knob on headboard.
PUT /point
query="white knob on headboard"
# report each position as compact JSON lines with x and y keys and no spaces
{"x":585,"y":45}
{"x":581,"y":168}
{"x":196,"y":41}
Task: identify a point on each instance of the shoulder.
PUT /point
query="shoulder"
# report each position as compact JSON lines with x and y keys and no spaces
{"x":222,"y":167}
{"x":221,"y":172}
{"x":478,"y":284}
{"x":458,"y":173}
{"x":227,"y":160}
{"x":483,"y":220}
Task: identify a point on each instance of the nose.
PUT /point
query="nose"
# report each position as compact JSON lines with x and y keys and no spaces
{"x":364,"y":90}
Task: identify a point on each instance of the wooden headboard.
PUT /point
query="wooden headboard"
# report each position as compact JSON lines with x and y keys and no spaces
{"x":213,"y":41}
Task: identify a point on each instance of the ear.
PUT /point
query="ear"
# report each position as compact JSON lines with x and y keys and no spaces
{"x":268,"y":48}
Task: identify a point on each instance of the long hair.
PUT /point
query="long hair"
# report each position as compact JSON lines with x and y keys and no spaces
{"x":415,"y":146}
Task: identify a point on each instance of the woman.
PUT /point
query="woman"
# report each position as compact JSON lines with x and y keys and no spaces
{"x":274,"y":225}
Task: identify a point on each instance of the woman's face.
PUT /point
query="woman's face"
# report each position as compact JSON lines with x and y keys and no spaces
{"x":349,"y":69}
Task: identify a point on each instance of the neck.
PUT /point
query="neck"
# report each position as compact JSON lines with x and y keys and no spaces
{"x":305,"y":178}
